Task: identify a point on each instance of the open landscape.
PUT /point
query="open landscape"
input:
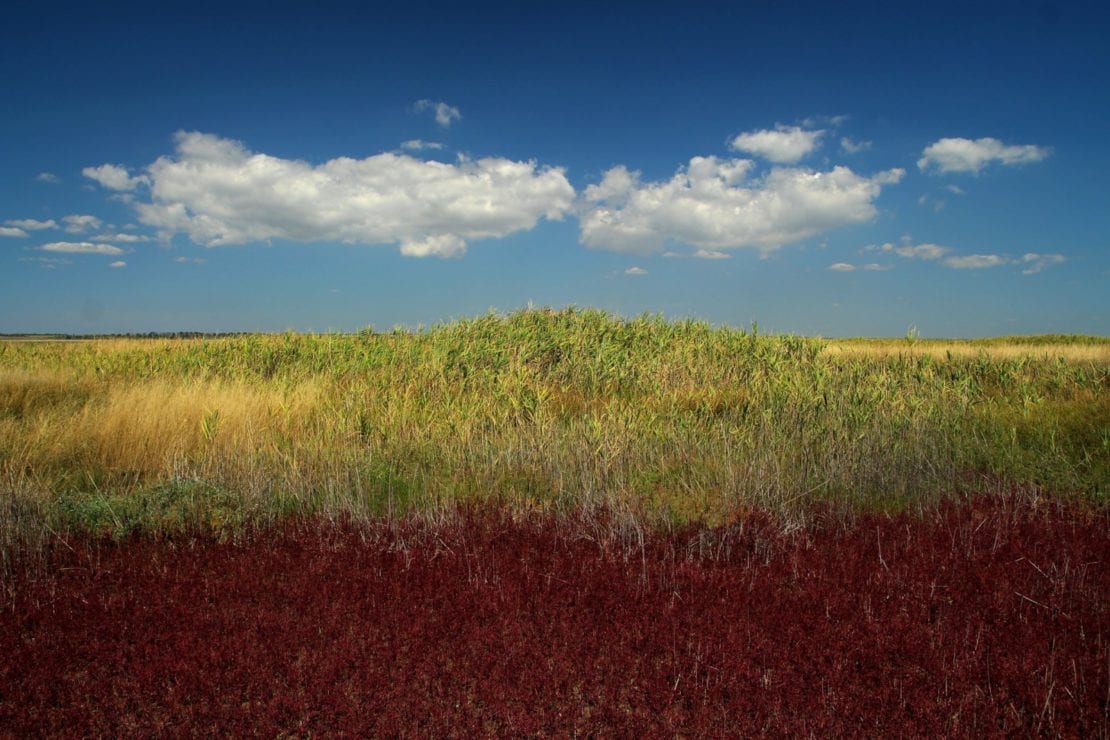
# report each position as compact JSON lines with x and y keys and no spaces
{"x":501,"y":369}
{"x":556,"y":522}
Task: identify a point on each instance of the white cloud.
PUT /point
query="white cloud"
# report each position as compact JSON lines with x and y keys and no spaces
{"x":189,"y":260}
{"x":417,"y":145}
{"x":1032,"y":261}
{"x":712,"y":254}
{"x":842,"y":267}
{"x":78,"y":224}
{"x":49,"y":177}
{"x":967,"y":155}
{"x":815,"y":121}
{"x":121,"y":238}
{"x":30,"y":224}
{"x":955,"y":189}
{"x":217,"y":192}
{"x":782,"y":145}
{"x":710,"y":205}
{"x":81,"y":248}
{"x":1036,"y":262}
{"x":976,"y":261}
{"x":117,"y":264}
{"x":849,"y":146}
{"x":114,"y":177}
{"x":911,"y":251}
{"x":876,"y":267}
{"x":13,"y":231}
{"x":635,"y":271}
{"x":444,"y":113}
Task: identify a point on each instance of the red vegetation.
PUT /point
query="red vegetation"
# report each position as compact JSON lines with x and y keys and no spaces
{"x":986,"y":619}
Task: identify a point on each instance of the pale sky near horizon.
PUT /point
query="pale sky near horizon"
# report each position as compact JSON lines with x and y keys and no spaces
{"x":824,"y":169}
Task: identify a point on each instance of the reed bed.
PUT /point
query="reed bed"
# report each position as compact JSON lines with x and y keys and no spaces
{"x":547,"y":411}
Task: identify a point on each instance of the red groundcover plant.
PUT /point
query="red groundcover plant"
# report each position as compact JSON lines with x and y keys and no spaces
{"x":987,"y":618}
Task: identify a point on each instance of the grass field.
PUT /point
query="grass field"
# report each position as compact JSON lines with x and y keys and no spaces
{"x":537,"y":410}
{"x":647,"y":527}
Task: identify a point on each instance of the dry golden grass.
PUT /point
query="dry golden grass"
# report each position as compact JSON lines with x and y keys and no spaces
{"x":943,"y":350}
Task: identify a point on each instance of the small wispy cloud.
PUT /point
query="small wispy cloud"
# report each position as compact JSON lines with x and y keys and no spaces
{"x":30,"y":224}
{"x":972,"y":155}
{"x":976,"y":261}
{"x":121,"y":238}
{"x":911,"y":251}
{"x":782,"y":144}
{"x":115,"y":177}
{"x":80,"y":223}
{"x":635,"y":271}
{"x":189,"y":260}
{"x":712,"y":254}
{"x":842,"y":267}
{"x":1032,"y":262}
{"x":417,"y":145}
{"x":81,"y":248}
{"x":48,"y":177}
{"x":13,"y":231}
{"x":850,"y":146}
{"x":445,"y":114}
{"x":1036,"y":262}
{"x":117,"y":264}
{"x":927,"y":201}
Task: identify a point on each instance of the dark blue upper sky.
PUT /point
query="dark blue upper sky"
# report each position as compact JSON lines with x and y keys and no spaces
{"x":834,"y":169}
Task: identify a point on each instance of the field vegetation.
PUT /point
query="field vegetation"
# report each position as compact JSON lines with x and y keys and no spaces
{"x":661,"y":422}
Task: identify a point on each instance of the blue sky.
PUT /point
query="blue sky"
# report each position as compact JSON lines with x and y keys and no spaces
{"x":823,"y":169}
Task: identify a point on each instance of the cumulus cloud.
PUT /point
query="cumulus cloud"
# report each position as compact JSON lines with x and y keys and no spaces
{"x":712,"y":205}
{"x":445,"y":114}
{"x":217,"y":192}
{"x":114,"y":177}
{"x":81,"y":248}
{"x":417,"y":145}
{"x":79,"y":223}
{"x":13,"y":231}
{"x":968,"y":155}
{"x":635,"y":271}
{"x":48,"y":177}
{"x":117,"y":264}
{"x":1034,"y":262}
{"x":782,"y":145}
{"x":30,"y":224}
{"x":976,"y":261}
